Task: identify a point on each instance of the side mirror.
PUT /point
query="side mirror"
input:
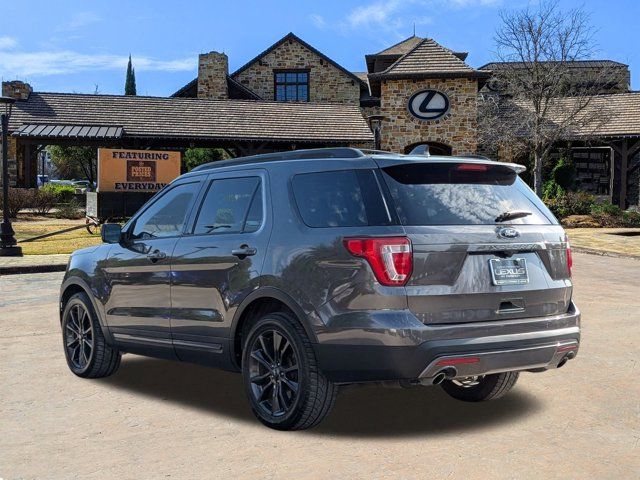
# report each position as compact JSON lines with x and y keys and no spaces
{"x":111,"y":232}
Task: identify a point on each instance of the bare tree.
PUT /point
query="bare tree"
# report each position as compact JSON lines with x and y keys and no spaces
{"x":538,"y":96}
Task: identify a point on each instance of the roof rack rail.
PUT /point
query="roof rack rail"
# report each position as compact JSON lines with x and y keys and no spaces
{"x":312,"y":153}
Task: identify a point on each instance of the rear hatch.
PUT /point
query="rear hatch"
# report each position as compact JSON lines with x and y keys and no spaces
{"x":485,"y":247}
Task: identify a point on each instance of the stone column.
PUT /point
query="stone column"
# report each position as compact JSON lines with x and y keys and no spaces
{"x":20,"y":91}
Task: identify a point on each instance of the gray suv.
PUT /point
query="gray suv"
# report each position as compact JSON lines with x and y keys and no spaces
{"x":312,"y":269}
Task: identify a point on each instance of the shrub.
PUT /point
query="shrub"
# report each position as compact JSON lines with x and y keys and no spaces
{"x":571,"y":203}
{"x":607,"y":209}
{"x":551,"y":190}
{"x":43,"y":201}
{"x":63,"y":193}
{"x":19,"y":199}
{"x":564,"y":173}
{"x":70,"y":210}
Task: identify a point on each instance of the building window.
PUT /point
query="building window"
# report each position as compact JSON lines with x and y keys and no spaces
{"x":292,"y":86}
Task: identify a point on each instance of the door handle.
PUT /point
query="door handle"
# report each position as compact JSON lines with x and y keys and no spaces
{"x":156,"y":255}
{"x":244,"y":251}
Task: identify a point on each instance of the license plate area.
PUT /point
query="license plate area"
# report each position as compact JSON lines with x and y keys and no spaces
{"x":508,"y":271}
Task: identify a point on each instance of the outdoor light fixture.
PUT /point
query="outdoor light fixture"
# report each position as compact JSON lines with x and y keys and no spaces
{"x":8,"y":242}
{"x":375,"y":122}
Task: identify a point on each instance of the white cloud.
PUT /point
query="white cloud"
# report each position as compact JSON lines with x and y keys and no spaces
{"x":22,"y":64}
{"x":317,"y":20}
{"x":379,"y":12}
{"x":7,"y":43}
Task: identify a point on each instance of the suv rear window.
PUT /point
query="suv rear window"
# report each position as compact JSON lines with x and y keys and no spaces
{"x":461,"y":194}
{"x":344,"y":198}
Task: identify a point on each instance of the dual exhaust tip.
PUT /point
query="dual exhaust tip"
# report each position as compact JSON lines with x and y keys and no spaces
{"x":447,"y":373}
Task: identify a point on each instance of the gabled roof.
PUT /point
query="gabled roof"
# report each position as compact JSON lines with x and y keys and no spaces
{"x":401,"y":47}
{"x":236,"y":90}
{"x":426,"y":59}
{"x":190,"y":118}
{"x":294,"y":38}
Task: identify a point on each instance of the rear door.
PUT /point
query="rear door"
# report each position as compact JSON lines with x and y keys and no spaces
{"x":472,"y":262}
{"x":217,"y":264}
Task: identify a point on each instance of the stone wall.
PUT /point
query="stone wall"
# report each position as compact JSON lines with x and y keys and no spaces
{"x":326,"y":82}
{"x":213,"y":68}
{"x":458,"y":128}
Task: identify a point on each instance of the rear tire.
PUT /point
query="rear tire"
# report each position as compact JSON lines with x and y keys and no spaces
{"x":488,"y":387}
{"x":285,"y":388}
{"x":87,"y":353}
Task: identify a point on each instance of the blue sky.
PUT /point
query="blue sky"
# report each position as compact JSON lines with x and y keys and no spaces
{"x":72,"y":46}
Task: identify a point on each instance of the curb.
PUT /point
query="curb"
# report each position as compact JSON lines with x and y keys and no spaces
{"x":20,"y":269}
{"x":602,"y":253}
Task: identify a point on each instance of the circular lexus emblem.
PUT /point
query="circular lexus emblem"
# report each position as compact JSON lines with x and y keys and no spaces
{"x":428,"y":104}
{"x":508,"y":232}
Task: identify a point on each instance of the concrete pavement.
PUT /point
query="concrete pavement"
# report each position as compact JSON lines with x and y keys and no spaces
{"x":157,"y":419}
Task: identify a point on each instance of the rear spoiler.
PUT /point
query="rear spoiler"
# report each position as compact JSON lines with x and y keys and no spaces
{"x":388,"y":161}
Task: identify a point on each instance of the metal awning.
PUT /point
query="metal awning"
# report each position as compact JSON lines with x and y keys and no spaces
{"x":39,"y":130}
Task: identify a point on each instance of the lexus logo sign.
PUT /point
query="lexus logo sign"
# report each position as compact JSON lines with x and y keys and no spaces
{"x":428,"y":104}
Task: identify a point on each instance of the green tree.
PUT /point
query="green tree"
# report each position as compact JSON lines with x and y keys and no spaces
{"x":130,"y":82}
{"x":198,"y":156}
{"x":75,"y":162}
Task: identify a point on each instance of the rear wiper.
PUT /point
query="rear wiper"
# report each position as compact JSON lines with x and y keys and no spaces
{"x":512,"y":215}
{"x":215,"y":227}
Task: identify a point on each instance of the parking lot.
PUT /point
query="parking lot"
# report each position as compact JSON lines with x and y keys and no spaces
{"x":156,"y":419}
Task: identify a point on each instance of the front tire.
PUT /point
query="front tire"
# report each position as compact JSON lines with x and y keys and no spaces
{"x":282,"y":381}
{"x":87,"y":353}
{"x":488,"y":387}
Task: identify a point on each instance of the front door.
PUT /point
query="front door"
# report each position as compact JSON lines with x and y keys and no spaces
{"x":138,"y":272}
{"x":216,"y":266}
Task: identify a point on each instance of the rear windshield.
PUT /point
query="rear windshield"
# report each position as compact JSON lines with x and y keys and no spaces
{"x":461,"y":194}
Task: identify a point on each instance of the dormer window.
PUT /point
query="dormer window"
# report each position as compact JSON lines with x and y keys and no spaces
{"x":291,"y":85}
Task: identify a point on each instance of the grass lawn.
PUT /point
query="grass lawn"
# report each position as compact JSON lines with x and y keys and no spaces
{"x":27,"y":226}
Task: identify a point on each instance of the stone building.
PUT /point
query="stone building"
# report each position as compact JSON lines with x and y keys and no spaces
{"x":291,"y":95}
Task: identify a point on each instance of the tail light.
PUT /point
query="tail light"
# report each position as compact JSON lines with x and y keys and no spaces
{"x":569,"y":256}
{"x":391,"y":258}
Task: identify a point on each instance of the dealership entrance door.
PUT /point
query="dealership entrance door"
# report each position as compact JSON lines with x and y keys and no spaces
{"x":435,"y":148}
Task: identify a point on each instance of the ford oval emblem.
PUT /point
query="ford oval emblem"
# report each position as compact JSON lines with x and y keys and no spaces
{"x":508,"y":232}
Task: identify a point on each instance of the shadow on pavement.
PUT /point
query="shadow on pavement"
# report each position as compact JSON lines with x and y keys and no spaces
{"x":361,"y":411}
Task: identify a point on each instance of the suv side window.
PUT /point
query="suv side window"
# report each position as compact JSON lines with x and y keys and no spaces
{"x":344,"y":198}
{"x":231,"y":205}
{"x":167,"y":215}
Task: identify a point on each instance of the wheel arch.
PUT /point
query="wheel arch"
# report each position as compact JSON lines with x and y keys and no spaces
{"x":263,"y":301}
{"x":74,"y":285}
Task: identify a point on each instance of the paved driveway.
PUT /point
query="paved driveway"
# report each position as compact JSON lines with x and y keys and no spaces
{"x":156,"y":419}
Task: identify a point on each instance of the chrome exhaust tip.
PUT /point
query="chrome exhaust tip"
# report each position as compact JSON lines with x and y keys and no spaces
{"x":447,"y":373}
{"x":439,"y":378}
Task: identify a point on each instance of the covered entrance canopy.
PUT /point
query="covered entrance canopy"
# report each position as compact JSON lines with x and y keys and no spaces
{"x":241,"y":126}
{"x":610,"y":122}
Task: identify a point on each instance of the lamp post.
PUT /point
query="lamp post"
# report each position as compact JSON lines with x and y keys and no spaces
{"x":8,"y":242}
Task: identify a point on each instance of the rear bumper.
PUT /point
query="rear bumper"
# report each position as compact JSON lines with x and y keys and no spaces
{"x":470,"y":349}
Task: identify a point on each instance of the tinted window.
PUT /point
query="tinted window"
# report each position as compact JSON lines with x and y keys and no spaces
{"x":226,"y":206}
{"x":166,"y":216}
{"x":461,"y":194}
{"x":344,"y":198}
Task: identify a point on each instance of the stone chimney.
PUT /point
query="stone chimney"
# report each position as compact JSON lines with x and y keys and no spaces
{"x":213,"y":68}
{"x":16,"y":89}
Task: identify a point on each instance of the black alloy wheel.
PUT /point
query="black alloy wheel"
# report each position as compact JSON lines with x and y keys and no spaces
{"x":79,"y":338}
{"x":283,"y":381}
{"x":87,"y":352}
{"x":273,"y":370}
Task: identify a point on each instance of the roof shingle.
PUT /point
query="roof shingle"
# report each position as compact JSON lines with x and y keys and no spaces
{"x":192,"y":118}
{"x":430,"y":58}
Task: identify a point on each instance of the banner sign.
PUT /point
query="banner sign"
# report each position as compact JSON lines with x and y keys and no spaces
{"x":136,"y":170}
